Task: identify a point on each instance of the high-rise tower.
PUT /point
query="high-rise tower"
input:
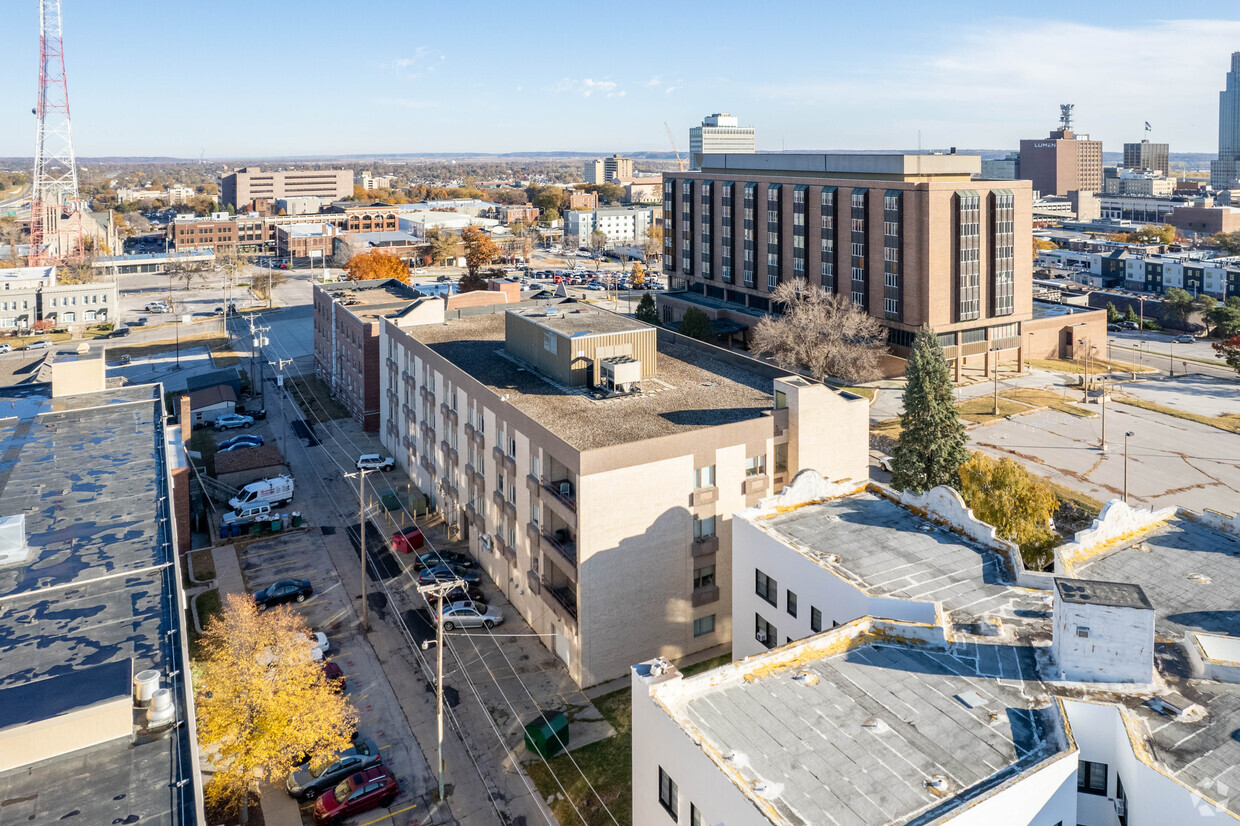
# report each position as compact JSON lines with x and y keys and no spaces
{"x":1225,"y":171}
{"x":55,"y":169}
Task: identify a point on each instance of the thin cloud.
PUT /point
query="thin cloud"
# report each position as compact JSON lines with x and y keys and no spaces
{"x":587,"y":87}
{"x":654,"y":81}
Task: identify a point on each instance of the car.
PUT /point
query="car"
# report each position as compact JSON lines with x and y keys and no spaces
{"x":1114,"y":328}
{"x":1130,"y":325}
{"x":230,"y":420}
{"x":248,"y":438}
{"x":595,"y":286}
{"x":6,"y":348}
{"x":359,"y":792}
{"x":314,"y":778}
{"x":444,"y":558}
{"x":41,"y":344}
{"x":284,"y":265}
{"x":447,"y":573}
{"x":156,"y":307}
{"x":334,"y":675}
{"x":236,"y":447}
{"x":282,"y":591}
{"x":458,"y":594}
{"x":257,"y":415}
{"x":884,"y":462}
{"x":141,"y":322}
{"x":470,"y":614}
{"x":121,"y":332}
{"x":373,"y":461}
{"x":1186,"y":338}
{"x":321,"y":645}
{"x":408,"y":540}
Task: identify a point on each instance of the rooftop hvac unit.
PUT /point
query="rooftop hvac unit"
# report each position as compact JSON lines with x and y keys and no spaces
{"x":621,"y":374}
{"x":145,"y":684}
{"x":162,"y":711}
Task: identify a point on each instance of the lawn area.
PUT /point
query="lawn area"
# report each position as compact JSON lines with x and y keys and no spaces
{"x":887,"y":427}
{"x":1228,"y":421}
{"x":981,"y":409}
{"x":1078,"y":367}
{"x":220,"y":346}
{"x":1036,"y":397}
{"x":209,"y":605}
{"x":311,"y":391}
{"x":608,"y":763}
{"x":203,"y":442}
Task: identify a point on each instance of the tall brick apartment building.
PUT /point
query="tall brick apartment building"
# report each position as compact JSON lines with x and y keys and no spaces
{"x":248,"y":184}
{"x":911,"y":238}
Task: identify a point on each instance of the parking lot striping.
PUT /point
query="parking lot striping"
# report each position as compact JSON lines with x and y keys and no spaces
{"x":388,"y":746}
{"x":273,"y":550}
{"x":389,"y":814}
{"x":274,"y":564}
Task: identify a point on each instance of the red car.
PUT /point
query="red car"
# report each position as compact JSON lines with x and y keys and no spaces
{"x":408,"y":540}
{"x":360,"y":792}
{"x":333,"y":674}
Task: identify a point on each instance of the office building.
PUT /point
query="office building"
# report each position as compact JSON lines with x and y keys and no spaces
{"x":171,"y":195}
{"x":305,"y":240}
{"x":244,"y":186}
{"x":1001,"y":169}
{"x":519,"y":214}
{"x":593,"y":463}
{"x":1139,"y":209}
{"x":609,"y":170}
{"x":905,"y":667}
{"x":1063,"y":161}
{"x":96,"y":706}
{"x":369,"y":181}
{"x":1225,"y":172}
{"x":346,"y":340}
{"x":1146,"y":155}
{"x":1119,"y":180}
{"x":913,"y":239}
{"x":621,"y":225}
{"x":595,"y":172}
{"x":581,"y":200}
{"x":719,"y":133}
{"x":30,"y":295}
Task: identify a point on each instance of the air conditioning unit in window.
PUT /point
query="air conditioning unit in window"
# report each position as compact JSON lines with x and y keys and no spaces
{"x":1121,"y":808}
{"x":484,"y":542}
{"x":760,"y":636}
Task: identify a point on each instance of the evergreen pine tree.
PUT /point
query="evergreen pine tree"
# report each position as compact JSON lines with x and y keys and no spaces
{"x":696,"y":324}
{"x":932,"y":443}
{"x":646,"y":310}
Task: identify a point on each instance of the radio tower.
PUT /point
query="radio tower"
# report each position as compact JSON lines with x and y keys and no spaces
{"x":55,"y":170}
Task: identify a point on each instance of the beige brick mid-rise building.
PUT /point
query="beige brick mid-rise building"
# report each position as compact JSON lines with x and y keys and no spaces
{"x":1061,"y":163}
{"x":594,"y":463}
{"x":911,"y":238}
{"x":251,"y":183}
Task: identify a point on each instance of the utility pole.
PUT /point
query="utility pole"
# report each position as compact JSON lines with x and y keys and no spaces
{"x":440,"y":591}
{"x":995,"y":369}
{"x":361,"y":530}
{"x":258,"y":340}
{"x":280,"y":364}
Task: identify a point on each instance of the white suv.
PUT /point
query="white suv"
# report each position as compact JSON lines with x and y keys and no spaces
{"x":373,"y":461}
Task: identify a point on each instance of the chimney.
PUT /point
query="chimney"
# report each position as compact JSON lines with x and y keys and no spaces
{"x":187,"y":426}
{"x":1103,"y":632}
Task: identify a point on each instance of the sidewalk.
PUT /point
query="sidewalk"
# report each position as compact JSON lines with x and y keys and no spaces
{"x":227,"y":570}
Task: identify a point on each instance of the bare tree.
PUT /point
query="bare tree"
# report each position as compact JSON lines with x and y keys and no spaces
{"x":11,"y":234}
{"x":263,"y":284}
{"x":187,"y":271}
{"x":821,"y":332}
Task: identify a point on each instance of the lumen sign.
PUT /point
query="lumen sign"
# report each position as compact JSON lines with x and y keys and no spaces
{"x":1044,"y":146}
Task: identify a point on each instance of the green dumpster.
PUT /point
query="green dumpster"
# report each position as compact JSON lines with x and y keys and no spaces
{"x":547,"y":734}
{"x":297,"y":520}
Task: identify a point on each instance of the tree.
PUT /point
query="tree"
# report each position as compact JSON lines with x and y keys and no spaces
{"x":186,"y":271}
{"x":611,"y":193}
{"x":367,"y":266}
{"x":596,"y":244}
{"x":931,"y":447}
{"x":1229,"y":351}
{"x":1177,"y":306}
{"x":263,"y":285}
{"x":445,"y":245}
{"x":821,"y":332}
{"x":638,"y":275}
{"x":696,"y":324}
{"x":1020,"y":505}
{"x":10,"y":233}
{"x":261,"y":701}
{"x":480,"y":250}
{"x":1112,"y":313}
{"x":1041,"y":245}
{"x":646,"y":311}
{"x":652,"y":244}
{"x":1130,"y":314}
{"x":471,"y":282}
{"x":1229,"y":242}
{"x":549,"y":201}
{"x":1226,"y":318}
{"x":1153,"y":234}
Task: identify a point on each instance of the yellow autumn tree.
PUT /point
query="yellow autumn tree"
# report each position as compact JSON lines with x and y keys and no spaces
{"x":1020,"y":505}
{"x":638,"y":275}
{"x":262,"y":703}
{"x":367,"y":266}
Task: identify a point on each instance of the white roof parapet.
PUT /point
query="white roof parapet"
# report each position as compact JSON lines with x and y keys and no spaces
{"x":1117,"y":521}
{"x":1220,"y":521}
{"x":807,"y":486}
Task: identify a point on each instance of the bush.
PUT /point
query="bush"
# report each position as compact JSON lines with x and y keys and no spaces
{"x":696,"y":324}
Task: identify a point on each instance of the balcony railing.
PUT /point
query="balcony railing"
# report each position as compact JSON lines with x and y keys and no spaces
{"x":569,"y":499}
{"x":563,"y":543}
{"x":562,"y":597}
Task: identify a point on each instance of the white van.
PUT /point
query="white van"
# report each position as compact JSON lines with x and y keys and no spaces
{"x":276,"y":491}
{"x":248,"y":513}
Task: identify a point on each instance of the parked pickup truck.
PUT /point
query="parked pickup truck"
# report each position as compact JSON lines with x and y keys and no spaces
{"x":276,"y":491}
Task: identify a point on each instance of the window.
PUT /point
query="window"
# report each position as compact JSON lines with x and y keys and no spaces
{"x":781,"y":458}
{"x":499,"y":480}
{"x":764,"y":632}
{"x":704,"y":577}
{"x":1082,"y":631}
{"x":781,"y":400}
{"x":704,"y":477}
{"x":512,"y":447}
{"x":791,"y":603}
{"x":703,"y":527}
{"x":766,"y":588}
{"x":755,"y":465}
{"x":1091,"y":778}
{"x":535,"y":515}
{"x":667,"y":793}
{"x":534,"y":465}
{"x":815,"y":619}
{"x":703,"y":626}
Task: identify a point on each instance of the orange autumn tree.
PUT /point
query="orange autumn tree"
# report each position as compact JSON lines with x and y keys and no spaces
{"x":367,"y":266}
{"x":480,"y":250}
{"x":261,"y":701}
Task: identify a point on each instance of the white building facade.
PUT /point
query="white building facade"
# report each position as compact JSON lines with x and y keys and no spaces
{"x":621,"y":225}
{"x":719,"y":133}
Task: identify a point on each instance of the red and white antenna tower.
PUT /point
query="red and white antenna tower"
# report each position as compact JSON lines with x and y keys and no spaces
{"x":55,"y":169}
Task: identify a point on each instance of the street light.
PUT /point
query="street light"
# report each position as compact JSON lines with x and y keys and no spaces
{"x":441,"y":591}
{"x":1126,"y":435}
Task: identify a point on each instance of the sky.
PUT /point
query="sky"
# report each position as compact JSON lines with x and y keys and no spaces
{"x":259,"y":78}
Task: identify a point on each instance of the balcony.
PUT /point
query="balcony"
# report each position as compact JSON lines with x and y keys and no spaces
{"x":449,"y":453}
{"x":497,"y":497}
{"x":503,"y":458}
{"x":471,"y":514}
{"x":480,"y":437}
{"x":449,"y":413}
{"x":562,"y":491}
{"x":451,"y":492}
{"x":428,"y":465}
{"x":469,"y":431}
{"x":754,"y":484}
{"x":705,"y":596}
{"x":563,"y":601}
{"x":532,"y":579}
{"x":705,"y":545}
{"x":504,"y":549}
{"x":534,"y":534}
{"x":564,"y":543}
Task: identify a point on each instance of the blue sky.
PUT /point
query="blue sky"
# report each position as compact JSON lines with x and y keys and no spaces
{"x":263,"y":78}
